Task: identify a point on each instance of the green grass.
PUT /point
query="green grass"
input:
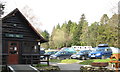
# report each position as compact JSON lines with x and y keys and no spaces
{"x":64,"y":61}
{"x":103,"y":60}
{"x":69,"y":61}
{"x":41,"y":65}
{"x":88,"y":62}
{"x":55,"y":60}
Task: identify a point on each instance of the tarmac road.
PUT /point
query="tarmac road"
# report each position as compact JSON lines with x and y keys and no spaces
{"x":64,"y":66}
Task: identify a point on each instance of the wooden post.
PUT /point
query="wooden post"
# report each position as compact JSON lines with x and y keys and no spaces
{"x":39,"y":53}
{"x":117,"y":66}
{"x":39,"y":60}
{"x":32,"y":60}
{"x":48,"y":60}
{"x":117,"y":62}
{"x":26,"y":59}
{"x":0,"y":43}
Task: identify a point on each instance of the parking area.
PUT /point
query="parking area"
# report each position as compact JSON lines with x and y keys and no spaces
{"x":102,"y":51}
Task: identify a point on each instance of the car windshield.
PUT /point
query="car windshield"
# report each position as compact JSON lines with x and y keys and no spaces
{"x":68,"y":50}
{"x":62,"y":52}
{"x":51,"y":52}
{"x":82,"y":52}
{"x":48,"y":53}
{"x":100,"y":49}
{"x":58,"y":52}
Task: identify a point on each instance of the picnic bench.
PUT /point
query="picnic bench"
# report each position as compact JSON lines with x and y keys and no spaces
{"x":99,"y":64}
{"x":116,"y":62}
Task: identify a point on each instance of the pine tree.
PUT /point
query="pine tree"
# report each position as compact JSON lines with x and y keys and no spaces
{"x":45,"y":34}
{"x":2,"y":6}
{"x":93,"y":34}
{"x":102,"y":38}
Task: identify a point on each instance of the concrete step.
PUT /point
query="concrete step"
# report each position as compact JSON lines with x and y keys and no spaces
{"x":22,"y":68}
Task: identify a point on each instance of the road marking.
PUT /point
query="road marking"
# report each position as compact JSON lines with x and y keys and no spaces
{"x":34,"y":68}
{"x":11,"y":68}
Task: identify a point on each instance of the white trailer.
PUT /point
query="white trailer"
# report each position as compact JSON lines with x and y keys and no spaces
{"x":82,"y":47}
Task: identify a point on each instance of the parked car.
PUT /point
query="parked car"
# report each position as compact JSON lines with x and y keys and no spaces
{"x":103,"y":45}
{"x":61,"y":55}
{"x":68,"y":49}
{"x":81,"y":55}
{"x":101,"y":52}
{"x":50,"y":52}
{"x":42,"y":52}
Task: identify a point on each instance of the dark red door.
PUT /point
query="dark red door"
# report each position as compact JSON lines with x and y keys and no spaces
{"x":13,"y":52}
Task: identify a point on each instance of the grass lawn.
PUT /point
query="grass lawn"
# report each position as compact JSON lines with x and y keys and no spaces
{"x":41,"y":65}
{"x":103,"y":60}
{"x":70,"y":61}
{"x":88,"y":62}
{"x":55,"y":60}
{"x":65,"y":61}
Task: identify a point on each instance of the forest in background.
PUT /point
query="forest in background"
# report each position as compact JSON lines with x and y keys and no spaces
{"x":107,"y":30}
{"x":82,"y":34}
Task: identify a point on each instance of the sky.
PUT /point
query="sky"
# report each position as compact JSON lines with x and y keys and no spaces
{"x":52,"y":12}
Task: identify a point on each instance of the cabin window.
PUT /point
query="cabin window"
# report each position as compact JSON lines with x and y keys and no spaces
{"x":35,"y":48}
{"x":13,"y":44}
{"x":14,"y":25}
{"x":29,"y":47}
{"x":13,"y":48}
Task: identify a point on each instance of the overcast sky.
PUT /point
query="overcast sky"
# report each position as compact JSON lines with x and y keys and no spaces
{"x":52,"y":12}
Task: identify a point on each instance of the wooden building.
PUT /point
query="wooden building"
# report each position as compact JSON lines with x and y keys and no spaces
{"x":19,"y":39}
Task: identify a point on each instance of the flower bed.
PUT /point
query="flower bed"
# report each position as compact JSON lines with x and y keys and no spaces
{"x":45,"y":68}
{"x":94,"y":69}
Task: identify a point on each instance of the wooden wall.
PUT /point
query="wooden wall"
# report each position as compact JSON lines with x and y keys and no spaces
{"x":16,"y":28}
{"x":17,"y":25}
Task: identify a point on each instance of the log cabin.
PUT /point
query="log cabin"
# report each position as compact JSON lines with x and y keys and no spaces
{"x":19,"y":39}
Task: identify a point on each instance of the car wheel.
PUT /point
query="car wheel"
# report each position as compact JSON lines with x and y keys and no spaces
{"x":67,"y":58}
{"x":58,"y":58}
{"x":83,"y":57}
{"x":87,"y":58}
{"x":103,"y":57}
{"x":71,"y":58}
